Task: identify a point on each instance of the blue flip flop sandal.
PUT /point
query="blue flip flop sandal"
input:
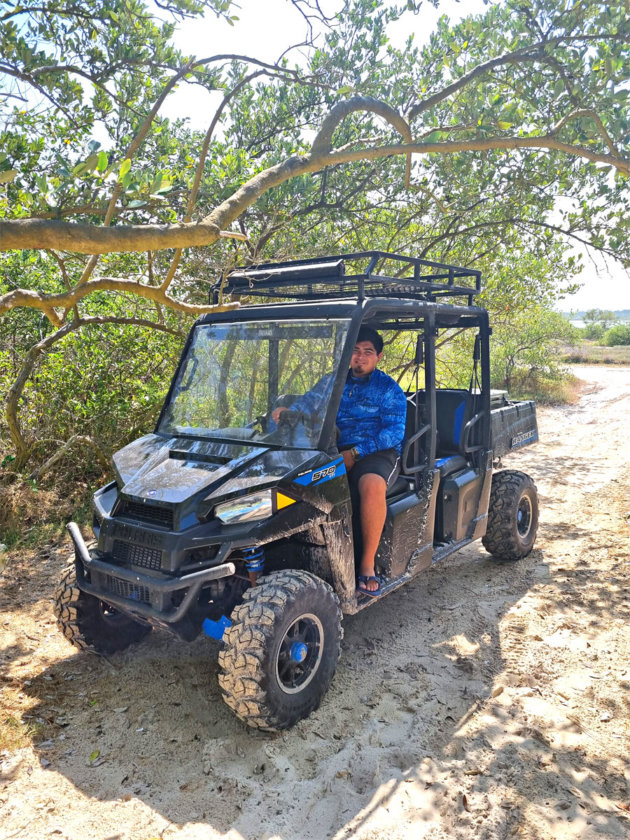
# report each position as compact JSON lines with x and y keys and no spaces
{"x":363,"y":579}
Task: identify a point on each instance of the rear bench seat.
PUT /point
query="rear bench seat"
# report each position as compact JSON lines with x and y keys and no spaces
{"x":454,"y":408}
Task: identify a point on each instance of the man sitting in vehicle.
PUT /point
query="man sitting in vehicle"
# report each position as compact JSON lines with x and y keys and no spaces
{"x":371,"y":423}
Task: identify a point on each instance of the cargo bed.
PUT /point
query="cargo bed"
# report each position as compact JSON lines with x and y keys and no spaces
{"x":513,"y":426}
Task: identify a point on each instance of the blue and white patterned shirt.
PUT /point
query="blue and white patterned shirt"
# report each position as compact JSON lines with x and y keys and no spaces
{"x":371,"y":415}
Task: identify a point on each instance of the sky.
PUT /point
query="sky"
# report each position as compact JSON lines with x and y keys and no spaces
{"x":605,"y":285}
{"x":267,"y":27}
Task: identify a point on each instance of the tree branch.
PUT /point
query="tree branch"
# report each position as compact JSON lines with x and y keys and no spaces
{"x":323,"y":141}
{"x":24,"y":77}
{"x":62,"y":267}
{"x":88,"y":239}
{"x":58,"y":455}
{"x":47,"y":303}
{"x":131,"y":150}
{"x":192,"y":198}
{"x":529,"y":53}
{"x":94,"y":239}
{"x":532,"y":52}
{"x":246,"y":195}
{"x":588,"y":112}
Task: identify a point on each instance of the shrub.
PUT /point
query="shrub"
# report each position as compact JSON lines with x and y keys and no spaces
{"x":525,"y":351}
{"x":617,"y":335}
{"x":594,"y":331}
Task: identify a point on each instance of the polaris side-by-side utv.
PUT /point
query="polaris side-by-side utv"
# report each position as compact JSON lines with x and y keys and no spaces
{"x":224,"y":521}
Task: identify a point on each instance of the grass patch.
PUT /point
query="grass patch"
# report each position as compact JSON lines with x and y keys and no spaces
{"x":30,"y":516}
{"x":558,"y":391}
{"x":15,"y":734}
{"x":590,"y":353}
{"x":556,"y":387}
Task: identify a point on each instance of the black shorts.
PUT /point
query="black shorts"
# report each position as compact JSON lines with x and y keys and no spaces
{"x":385,"y":463}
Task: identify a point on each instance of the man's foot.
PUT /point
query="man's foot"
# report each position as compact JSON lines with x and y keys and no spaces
{"x":370,"y":585}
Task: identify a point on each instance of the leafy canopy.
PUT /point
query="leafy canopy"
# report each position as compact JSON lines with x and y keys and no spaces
{"x":496,"y":143}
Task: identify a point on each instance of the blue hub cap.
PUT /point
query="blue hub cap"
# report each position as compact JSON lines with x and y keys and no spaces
{"x":298,"y":651}
{"x":300,"y":654}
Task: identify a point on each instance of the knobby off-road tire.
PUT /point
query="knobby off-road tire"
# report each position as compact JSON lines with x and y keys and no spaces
{"x":281,"y":650}
{"x":512,"y":516}
{"x":91,"y":624}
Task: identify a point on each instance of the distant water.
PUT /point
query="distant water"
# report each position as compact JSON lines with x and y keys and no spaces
{"x":622,"y":316}
{"x":579,"y":323}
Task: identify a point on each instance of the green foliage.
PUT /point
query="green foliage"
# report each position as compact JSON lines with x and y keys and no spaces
{"x":593,"y":331}
{"x":95,"y":70}
{"x":599,"y":325}
{"x":601,"y":317}
{"x":106,"y":382}
{"x":98,"y":71}
{"x":617,"y":336}
{"x":523,"y":356}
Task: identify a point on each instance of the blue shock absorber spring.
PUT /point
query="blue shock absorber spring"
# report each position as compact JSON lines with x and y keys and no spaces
{"x":254,"y":559}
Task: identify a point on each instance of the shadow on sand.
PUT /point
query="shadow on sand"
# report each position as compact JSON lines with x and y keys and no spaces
{"x":430,"y":717}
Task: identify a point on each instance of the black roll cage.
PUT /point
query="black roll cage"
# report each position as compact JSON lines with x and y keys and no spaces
{"x":327,"y":277}
{"x":427,"y":318}
{"x":417,"y":295}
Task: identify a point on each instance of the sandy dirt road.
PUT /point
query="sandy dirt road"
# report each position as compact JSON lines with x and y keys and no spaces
{"x":482,"y":700}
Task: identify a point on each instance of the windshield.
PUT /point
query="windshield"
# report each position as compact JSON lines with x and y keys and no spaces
{"x":235,"y":375}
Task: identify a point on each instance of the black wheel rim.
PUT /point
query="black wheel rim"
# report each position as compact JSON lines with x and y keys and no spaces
{"x":300,"y":653}
{"x":524,"y":517}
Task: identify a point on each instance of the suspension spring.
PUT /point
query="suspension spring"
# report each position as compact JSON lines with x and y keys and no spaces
{"x":254,"y":563}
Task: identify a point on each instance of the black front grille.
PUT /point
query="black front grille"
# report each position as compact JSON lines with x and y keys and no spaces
{"x":146,"y":513}
{"x":137,"y":555}
{"x":125,"y":589}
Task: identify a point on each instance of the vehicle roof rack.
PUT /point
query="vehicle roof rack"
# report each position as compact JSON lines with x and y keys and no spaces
{"x":360,"y":275}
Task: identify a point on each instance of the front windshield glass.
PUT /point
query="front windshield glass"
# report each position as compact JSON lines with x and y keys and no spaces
{"x":236,"y":375}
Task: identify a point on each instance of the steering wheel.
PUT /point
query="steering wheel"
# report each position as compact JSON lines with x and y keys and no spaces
{"x":289,"y":419}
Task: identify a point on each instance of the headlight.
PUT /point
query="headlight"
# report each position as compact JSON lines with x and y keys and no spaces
{"x":246,"y":508}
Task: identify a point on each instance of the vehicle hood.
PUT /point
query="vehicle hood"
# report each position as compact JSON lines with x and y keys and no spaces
{"x":172,"y":470}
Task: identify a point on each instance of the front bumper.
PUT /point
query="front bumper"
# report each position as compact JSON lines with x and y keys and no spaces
{"x":141,"y":594}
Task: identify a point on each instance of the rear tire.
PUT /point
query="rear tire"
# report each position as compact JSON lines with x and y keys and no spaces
{"x":91,"y":624}
{"x":512,"y":516}
{"x":281,"y":651}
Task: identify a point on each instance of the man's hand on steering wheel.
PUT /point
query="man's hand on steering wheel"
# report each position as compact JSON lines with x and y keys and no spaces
{"x":275,"y":414}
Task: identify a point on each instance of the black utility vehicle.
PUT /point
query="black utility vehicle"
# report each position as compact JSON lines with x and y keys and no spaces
{"x":224,"y":521}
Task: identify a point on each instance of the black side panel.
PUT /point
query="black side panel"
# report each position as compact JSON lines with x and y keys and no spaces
{"x":338,"y":538}
{"x":407,"y":541}
{"x":458,"y":505}
{"x":512,"y":427}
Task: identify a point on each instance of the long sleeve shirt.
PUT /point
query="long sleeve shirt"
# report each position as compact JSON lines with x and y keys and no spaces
{"x":371,"y":415}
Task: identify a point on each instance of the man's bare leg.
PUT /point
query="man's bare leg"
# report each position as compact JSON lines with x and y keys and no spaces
{"x":372,"y":489}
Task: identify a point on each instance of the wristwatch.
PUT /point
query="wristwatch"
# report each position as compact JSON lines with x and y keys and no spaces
{"x":355,"y":453}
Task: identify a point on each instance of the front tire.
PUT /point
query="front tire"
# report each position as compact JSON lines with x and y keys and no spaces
{"x":512,"y":516}
{"x":91,"y":624}
{"x":281,"y":650}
